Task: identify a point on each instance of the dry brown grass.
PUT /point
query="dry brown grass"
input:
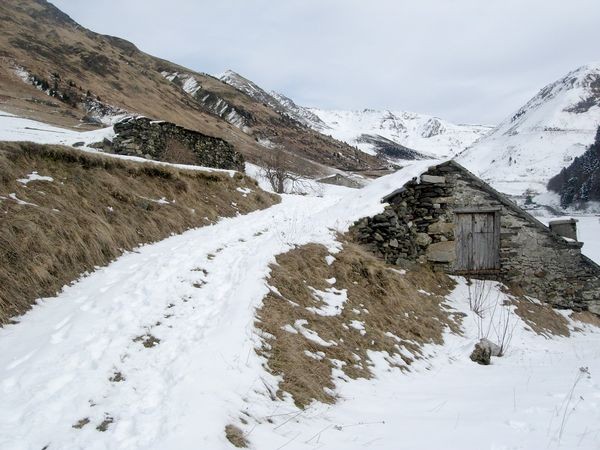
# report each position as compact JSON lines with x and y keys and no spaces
{"x":587,"y":318}
{"x":95,"y":209}
{"x":541,"y":318}
{"x":398,"y":319}
{"x":236,"y":436}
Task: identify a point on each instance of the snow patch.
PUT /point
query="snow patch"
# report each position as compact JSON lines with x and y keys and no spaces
{"x":34,"y":176}
{"x":333,"y":299}
{"x":311,"y":335}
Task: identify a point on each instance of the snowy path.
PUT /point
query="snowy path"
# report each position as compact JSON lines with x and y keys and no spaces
{"x":190,"y":292}
{"x":196,"y":294}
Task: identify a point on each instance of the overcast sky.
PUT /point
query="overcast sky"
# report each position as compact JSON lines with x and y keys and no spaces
{"x":469,"y":61}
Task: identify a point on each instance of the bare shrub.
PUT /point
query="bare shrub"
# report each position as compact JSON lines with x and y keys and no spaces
{"x":494,"y":317}
{"x":479,"y":292}
{"x":502,"y":323}
{"x":568,"y":406}
{"x":276,"y":172}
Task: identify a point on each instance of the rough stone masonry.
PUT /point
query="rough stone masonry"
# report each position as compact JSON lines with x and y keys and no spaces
{"x":419,"y":226}
{"x":165,"y":141}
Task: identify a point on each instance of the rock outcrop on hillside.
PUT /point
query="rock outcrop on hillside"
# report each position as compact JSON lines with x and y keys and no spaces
{"x":165,"y":141}
{"x":58,"y":72}
{"x":580,"y":182}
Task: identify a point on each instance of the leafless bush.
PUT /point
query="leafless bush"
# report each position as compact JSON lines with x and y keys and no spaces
{"x":280,"y":177}
{"x":494,"y":316}
{"x":479,"y":293}
{"x":276,"y":173}
{"x":567,"y":408}
{"x":502,"y":324}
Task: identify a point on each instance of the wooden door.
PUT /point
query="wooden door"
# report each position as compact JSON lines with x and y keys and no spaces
{"x":477,"y":241}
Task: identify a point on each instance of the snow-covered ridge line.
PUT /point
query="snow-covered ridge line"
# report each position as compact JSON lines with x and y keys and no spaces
{"x":425,"y":134}
{"x":369,"y":129}
{"x":277,"y":101}
{"x":533,"y":144}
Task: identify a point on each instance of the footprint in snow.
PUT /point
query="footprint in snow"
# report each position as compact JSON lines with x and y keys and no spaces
{"x":147,"y":340}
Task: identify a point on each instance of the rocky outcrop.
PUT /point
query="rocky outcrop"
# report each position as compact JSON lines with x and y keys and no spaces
{"x":165,"y":141}
{"x":483,"y":352}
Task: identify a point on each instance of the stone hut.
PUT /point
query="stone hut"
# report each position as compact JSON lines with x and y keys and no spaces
{"x":458,"y":224}
{"x":165,"y":141}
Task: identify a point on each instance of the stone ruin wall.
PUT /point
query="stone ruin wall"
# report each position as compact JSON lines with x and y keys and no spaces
{"x":418,"y":226}
{"x":165,"y":141}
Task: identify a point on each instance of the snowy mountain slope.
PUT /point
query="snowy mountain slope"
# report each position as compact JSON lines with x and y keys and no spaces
{"x":157,"y":351}
{"x":396,"y":135}
{"x":430,"y":136}
{"x":279,"y":102}
{"x":542,"y":137}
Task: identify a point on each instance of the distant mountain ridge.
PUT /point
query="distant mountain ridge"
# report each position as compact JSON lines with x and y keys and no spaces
{"x":542,"y":137}
{"x":277,"y":101}
{"x":394,"y":135}
{"x":428,"y":136}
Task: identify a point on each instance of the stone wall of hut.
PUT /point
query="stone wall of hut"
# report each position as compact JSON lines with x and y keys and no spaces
{"x":418,"y":226}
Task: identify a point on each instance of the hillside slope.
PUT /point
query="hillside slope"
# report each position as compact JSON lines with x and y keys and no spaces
{"x":159,"y":349}
{"x":65,"y":212}
{"x":54,"y":70}
{"x":542,"y":137}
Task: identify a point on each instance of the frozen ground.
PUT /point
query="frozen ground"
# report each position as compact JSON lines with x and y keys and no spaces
{"x":157,"y":349}
{"x":196,"y":293}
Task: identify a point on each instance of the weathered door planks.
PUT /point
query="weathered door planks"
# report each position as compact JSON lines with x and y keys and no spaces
{"x":477,"y":241}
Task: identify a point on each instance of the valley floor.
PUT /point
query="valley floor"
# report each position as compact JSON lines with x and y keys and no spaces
{"x":156,"y":351}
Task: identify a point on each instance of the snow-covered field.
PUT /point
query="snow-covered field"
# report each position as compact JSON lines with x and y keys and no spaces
{"x":13,"y":128}
{"x":157,"y":349}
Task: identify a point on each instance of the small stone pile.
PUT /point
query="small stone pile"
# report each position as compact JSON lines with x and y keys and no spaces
{"x":165,"y":141}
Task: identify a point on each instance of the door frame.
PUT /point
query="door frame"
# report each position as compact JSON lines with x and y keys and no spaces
{"x":495,"y":210}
